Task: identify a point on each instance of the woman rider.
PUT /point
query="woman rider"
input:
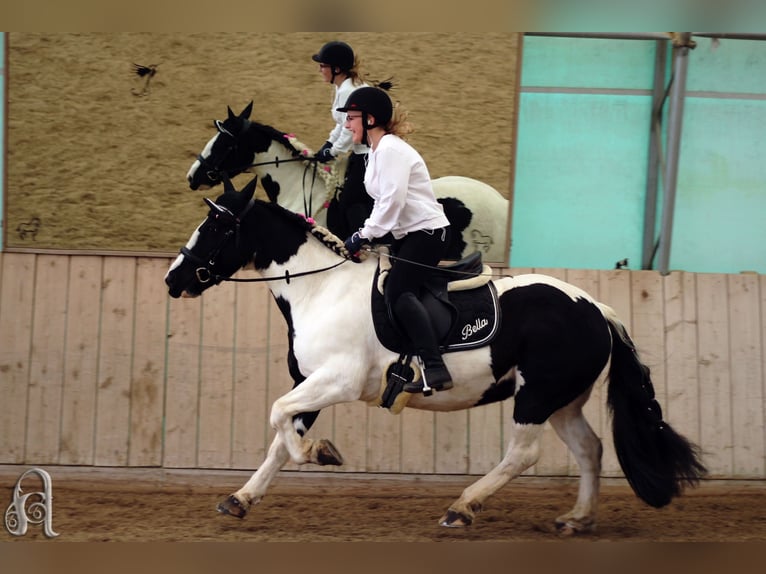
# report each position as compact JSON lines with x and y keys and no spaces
{"x":404,"y":205}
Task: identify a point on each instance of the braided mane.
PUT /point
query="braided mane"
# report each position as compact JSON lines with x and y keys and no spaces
{"x":328,"y":239}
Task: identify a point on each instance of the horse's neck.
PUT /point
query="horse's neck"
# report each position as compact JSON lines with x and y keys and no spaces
{"x":316,"y":262}
{"x":302,"y":184}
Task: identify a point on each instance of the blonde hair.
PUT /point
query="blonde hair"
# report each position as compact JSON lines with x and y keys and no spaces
{"x":359,"y":77}
{"x":399,"y":125}
{"x":355,"y":73}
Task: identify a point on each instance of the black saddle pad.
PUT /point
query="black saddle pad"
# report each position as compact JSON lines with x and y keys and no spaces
{"x":476,"y":318}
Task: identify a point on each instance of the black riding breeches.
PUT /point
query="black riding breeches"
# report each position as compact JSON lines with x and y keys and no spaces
{"x":414,"y":257}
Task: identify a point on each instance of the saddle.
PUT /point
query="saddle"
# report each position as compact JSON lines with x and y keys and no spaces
{"x":460,"y":299}
{"x":462,"y":303}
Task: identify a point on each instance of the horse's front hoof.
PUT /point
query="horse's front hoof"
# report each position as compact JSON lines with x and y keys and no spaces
{"x":454,"y":519}
{"x":232,"y":506}
{"x":326,"y":453}
{"x":567,"y":528}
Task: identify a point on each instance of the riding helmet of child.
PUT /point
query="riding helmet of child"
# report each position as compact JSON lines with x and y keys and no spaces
{"x":337,"y":55}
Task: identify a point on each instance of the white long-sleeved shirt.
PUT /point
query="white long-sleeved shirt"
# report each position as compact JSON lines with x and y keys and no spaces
{"x":340,"y":137}
{"x":398,"y":180}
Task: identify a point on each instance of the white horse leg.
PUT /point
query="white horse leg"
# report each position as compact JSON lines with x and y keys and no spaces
{"x":572,"y":427}
{"x":522,"y":452}
{"x":239,"y":503}
{"x":318,"y":451}
{"x":314,"y":394}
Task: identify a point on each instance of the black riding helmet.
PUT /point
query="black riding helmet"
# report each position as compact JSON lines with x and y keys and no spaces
{"x":370,"y":101}
{"x":336,"y":54}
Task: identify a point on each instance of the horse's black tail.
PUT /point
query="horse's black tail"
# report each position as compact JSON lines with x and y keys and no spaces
{"x":657,"y":461}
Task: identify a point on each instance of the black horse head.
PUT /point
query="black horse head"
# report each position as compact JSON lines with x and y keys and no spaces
{"x":234,"y":148}
{"x":225,"y":153}
{"x":238,"y":231}
{"x":215,"y":250}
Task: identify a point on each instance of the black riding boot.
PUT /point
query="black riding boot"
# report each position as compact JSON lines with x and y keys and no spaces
{"x":413,"y":318}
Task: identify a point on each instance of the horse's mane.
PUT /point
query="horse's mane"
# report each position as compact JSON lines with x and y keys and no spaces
{"x":289,"y":140}
{"x":330,"y":240}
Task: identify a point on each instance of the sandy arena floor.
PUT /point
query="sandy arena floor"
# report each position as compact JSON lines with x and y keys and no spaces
{"x":173,"y":506}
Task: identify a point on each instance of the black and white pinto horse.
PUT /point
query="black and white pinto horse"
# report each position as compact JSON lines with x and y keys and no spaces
{"x":289,"y":178}
{"x":552,"y":344}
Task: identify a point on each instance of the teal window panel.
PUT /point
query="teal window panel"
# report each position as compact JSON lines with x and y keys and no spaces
{"x":728,"y":66}
{"x":583,"y":63}
{"x":720,"y":210}
{"x":580,"y":180}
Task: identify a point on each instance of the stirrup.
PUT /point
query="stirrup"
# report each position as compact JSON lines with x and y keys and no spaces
{"x":432,"y":379}
{"x":398,"y":374}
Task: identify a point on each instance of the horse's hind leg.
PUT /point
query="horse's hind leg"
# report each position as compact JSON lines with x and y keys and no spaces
{"x":522,"y":452}
{"x":572,"y":427}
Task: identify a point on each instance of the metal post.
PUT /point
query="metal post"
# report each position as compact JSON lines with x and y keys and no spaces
{"x":675,"y":117}
{"x":653,"y":168}
{"x":606,"y":35}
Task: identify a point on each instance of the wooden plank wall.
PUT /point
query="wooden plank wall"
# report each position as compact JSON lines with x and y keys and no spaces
{"x":98,"y":366}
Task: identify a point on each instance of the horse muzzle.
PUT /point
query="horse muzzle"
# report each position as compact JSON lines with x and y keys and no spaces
{"x":177,"y":293}
{"x":176,"y":289}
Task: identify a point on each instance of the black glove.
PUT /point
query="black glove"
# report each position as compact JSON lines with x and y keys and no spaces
{"x":325,"y":154}
{"x":355,"y":242}
{"x":325,"y":145}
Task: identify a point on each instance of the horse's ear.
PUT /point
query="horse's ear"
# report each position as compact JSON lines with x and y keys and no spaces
{"x":247,"y":111}
{"x":211,"y":204}
{"x":218,"y":208}
{"x":228,"y":187}
{"x":232,"y":115}
{"x":248,"y":191}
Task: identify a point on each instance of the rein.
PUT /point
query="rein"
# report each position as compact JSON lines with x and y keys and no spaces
{"x":204,"y":162}
{"x":431,"y":267}
{"x":286,"y":277}
{"x":275,"y":162}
